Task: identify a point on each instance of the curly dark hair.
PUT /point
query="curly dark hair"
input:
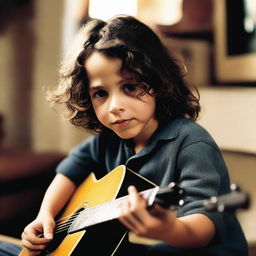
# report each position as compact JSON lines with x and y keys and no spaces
{"x":142,"y":54}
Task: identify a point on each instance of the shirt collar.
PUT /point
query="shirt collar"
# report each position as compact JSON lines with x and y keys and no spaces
{"x":168,"y":131}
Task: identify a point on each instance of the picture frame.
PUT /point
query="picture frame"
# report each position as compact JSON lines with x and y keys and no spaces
{"x":237,"y":67}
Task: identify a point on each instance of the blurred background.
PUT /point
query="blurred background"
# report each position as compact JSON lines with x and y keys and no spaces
{"x":215,"y":39}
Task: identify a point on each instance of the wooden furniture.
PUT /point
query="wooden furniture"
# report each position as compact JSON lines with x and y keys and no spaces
{"x":24,"y":177}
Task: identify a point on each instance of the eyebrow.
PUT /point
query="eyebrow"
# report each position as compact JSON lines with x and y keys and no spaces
{"x":95,"y":87}
{"x":98,"y":87}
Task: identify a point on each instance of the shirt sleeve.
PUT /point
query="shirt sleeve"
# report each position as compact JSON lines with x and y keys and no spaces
{"x":203,"y":174}
{"x":81,"y":161}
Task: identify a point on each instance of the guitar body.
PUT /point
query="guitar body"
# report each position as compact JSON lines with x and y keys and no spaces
{"x":103,"y":239}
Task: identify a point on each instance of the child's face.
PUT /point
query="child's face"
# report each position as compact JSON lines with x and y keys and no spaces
{"x":115,"y":100}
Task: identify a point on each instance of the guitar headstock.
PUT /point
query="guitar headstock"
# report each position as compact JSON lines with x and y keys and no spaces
{"x":170,"y":196}
{"x":228,"y":202}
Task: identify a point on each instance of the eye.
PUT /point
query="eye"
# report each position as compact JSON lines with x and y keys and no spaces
{"x":99,"y":94}
{"x":130,"y":87}
{"x":135,"y":90}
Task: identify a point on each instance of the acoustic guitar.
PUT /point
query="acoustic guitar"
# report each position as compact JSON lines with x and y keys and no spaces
{"x":88,"y":225}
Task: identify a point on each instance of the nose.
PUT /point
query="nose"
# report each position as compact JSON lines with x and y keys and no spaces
{"x":116,"y":104}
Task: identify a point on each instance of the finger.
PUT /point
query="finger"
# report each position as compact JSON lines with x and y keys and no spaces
{"x":136,"y":200}
{"x":130,"y":218}
{"x":48,"y":230}
{"x":32,"y":242}
{"x":33,"y":237}
{"x":127,"y":223}
{"x":125,"y":216}
{"x":133,"y":224}
{"x":33,"y":253}
{"x":131,"y":221}
{"x":138,"y":206}
{"x":33,"y":247}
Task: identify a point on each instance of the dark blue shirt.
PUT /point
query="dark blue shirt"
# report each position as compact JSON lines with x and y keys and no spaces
{"x":181,"y":151}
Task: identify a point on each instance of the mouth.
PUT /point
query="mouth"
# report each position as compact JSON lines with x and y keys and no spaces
{"x":122,"y":122}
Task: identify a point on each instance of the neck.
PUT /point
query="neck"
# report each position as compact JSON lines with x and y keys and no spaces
{"x":138,"y":148}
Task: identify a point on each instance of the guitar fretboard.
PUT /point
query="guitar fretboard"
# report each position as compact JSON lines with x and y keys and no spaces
{"x":106,"y":211}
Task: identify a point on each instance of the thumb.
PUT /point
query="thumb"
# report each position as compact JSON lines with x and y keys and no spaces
{"x":48,"y":230}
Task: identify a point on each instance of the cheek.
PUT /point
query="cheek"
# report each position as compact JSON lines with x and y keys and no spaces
{"x":149,"y":105}
{"x":149,"y":112}
{"x":99,"y":111}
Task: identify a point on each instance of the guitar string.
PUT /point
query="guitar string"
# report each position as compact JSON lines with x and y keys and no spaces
{"x":64,"y":220}
{"x":61,"y":220}
{"x":63,"y":225}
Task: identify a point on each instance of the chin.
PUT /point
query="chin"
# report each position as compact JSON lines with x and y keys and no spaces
{"x":126,"y":135}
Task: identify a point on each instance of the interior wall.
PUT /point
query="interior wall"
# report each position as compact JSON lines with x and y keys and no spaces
{"x":16,"y":72}
{"x":31,"y":48}
{"x":50,"y":130}
{"x":229,"y":114}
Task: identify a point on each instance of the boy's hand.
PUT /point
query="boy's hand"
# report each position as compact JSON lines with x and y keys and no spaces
{"x":136,"y":216}
{"x":38,"y":234}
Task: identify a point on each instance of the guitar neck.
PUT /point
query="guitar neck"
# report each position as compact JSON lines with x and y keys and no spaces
{"x":106,"y":211}
{"x":169,"y":196}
